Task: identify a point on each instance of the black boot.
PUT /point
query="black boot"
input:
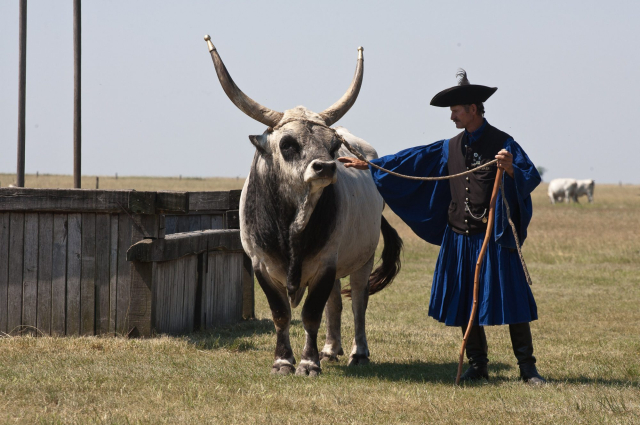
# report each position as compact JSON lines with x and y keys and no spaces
{"x":477,"y":354}
{"x":522,"y":344}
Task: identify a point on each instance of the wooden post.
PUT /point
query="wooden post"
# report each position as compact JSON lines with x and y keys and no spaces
{"x":22,"y":90}
{"x":77,"y":133}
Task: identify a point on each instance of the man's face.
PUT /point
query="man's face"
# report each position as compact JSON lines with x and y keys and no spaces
{"x":461,"y":117}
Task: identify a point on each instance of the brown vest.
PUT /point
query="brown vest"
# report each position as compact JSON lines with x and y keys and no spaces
{"x":471,"y":194}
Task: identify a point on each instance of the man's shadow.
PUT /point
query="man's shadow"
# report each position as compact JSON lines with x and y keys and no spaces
{"x":416,"y":371}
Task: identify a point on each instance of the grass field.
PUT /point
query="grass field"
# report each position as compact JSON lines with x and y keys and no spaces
{"x":585,"y":265}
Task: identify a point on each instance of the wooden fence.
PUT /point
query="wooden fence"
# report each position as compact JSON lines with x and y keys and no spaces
{"x":64,"y":268}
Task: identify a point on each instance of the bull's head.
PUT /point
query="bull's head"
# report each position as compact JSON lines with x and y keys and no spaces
{"x":298,"y":144}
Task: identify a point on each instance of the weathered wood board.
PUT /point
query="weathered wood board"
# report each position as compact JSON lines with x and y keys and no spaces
{"x":64,"y":266}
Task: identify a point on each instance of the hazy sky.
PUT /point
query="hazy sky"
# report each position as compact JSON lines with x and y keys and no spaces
{"x":567,"y":75}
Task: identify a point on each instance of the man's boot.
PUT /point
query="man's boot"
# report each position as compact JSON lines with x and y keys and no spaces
{"x":522,"y":344}
{"x":477,"y":354}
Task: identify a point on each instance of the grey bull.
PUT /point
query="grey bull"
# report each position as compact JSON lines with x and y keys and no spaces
{"x":306,"y":222}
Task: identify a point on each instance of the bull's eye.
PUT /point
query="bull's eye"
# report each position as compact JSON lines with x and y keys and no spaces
{"x":334,"y":148}
{"x":289,"y":146}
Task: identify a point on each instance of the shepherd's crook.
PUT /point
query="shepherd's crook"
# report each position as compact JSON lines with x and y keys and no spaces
{"x":476,"y":279}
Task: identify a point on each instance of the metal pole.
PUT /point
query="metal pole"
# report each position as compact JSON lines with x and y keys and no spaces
{"x":77,"y":127}
{"x":22,"y":90}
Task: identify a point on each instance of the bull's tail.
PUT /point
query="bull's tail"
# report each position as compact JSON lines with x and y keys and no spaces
{"x":384,"y":274}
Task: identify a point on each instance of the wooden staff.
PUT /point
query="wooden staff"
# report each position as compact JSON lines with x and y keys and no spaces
{"x":476,"y":279}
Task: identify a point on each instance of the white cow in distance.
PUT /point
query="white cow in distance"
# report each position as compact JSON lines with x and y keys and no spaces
{"x":562,"y":189}
{"x":585,"y":187}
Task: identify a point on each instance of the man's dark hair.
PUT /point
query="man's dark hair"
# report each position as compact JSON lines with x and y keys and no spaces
{"x":479,"y":108}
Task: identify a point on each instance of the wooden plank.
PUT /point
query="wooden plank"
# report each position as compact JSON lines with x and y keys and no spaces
{"x":190,"y":287}
{"x":163,"y":285}
{"x":194,"y":223}
{"x":162,"y":226}
{"x":232,"y":219}
{"x":207,"y":293}
{"x":205,"y":222}
{"x":177,"y":302}
{"x":182,"y":224}
{"x":142,"y":202}
{"x":179,"y":245}
{"x":74,"y":269}
{"x":88,"y":275}
{"x":248,"y":290}
{"x":124,"y":275}
{"x":154,"y":297}
{"x":30,"y":274}
{"x":76,"y":200}
{"x":170,"y":224}
{"x":238,"y":284}
{"x":103,"y":269}
{"x":197,"y":302}
{"x":234,"y":199}
{"x":4,"y":269}
{"x":45,"y":265}
{"x":113,"y":272}
{"x":16,"y":256}
{"x":167,"y":201}
{"x":140,"y":291}
{"x":148,"y":224}
{"x":202,"y":201}
{"x":217,"y":221}
{"x":220,"y":300}
{"x":59,"y":275}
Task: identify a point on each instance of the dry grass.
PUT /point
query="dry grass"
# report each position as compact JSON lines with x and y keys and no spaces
{"x":585,"y":263}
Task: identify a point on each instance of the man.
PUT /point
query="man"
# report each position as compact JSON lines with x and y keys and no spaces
{"x":454,"y":213}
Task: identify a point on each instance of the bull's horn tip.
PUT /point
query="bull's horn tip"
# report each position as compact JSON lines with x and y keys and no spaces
{"x":207,"y":38}
{"x":360,"y":50}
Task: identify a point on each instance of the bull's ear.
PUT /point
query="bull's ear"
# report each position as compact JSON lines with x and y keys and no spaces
{"x":260,"y":142}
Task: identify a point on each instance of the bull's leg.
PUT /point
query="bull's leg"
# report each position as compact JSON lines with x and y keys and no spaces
{"x":359,"y":300}
{"x":333,"y":314}
{"x":281,"y":313}
{"x":319,"y":292}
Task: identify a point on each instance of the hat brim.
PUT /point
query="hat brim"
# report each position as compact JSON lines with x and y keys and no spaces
{"x":463,"y":95}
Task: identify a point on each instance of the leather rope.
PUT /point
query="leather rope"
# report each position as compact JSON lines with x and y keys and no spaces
{"x":473,"y":170}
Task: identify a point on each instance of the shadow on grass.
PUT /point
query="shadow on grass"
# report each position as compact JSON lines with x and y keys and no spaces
{"x":236,"y":337}
{"x":414,"y":371}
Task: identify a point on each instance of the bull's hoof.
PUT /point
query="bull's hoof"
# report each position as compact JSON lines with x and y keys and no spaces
{"x":358,"y":360}
{"x":331,"y":357}
{"x":308,"y":368}
{"x":328,"y":357}
{"x":282,"y":368}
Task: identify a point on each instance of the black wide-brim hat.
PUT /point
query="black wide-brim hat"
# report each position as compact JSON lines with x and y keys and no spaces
{"x":463,"y":94}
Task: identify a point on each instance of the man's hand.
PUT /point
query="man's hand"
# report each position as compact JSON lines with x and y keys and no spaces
{"x":353,"y":162}
{"x":505,"y":161}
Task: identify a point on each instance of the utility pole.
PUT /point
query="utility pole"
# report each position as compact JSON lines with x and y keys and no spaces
{"x":22,"y":90}
{"x":77,"y":127}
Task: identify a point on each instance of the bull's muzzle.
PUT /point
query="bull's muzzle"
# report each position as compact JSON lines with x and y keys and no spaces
{"x":324,"y":169}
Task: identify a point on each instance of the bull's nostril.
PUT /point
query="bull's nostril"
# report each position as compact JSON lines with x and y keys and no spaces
{"x":317,"y":166}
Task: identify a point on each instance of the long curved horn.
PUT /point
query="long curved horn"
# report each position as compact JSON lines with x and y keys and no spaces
{"x":242,"y":101}
{"x":336,"y":111}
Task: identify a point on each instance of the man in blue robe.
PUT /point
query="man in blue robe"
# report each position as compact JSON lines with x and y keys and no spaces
{"x":454,"y":213}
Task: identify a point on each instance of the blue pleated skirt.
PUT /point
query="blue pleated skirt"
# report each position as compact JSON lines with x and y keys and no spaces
{"x":504,"y":294}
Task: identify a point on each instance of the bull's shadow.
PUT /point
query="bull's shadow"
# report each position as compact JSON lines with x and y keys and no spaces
{"x":417,"y":371}
{"x":236,"y":337}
